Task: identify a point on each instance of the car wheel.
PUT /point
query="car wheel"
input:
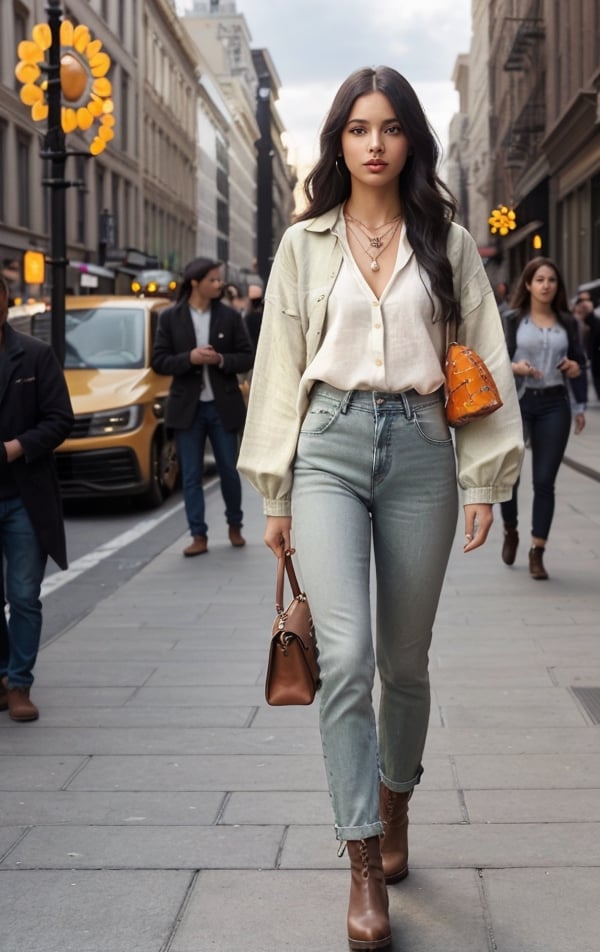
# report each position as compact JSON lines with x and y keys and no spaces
{"x":164,"y":472}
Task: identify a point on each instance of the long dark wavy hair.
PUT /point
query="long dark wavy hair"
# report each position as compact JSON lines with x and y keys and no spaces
{"x":427,"y":204}
{"x":521,"y":299}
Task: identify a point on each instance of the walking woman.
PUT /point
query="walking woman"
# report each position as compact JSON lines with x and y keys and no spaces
{"x":543,"y":343}
{"x":347,"y":436}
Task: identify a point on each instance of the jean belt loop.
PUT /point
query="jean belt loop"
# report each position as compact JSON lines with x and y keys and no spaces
{"x":346,"y":401}
{"x":406,"y":405}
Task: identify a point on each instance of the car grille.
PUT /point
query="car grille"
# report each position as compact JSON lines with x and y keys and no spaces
{"x":98,"y":472}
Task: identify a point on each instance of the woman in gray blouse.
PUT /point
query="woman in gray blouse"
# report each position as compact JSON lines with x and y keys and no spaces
{"x":346,"y":433}
{"x":543,"y":343}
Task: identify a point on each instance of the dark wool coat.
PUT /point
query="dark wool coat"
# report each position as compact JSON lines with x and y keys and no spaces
{"x":36,"y":410}
{"x":176,"y":337}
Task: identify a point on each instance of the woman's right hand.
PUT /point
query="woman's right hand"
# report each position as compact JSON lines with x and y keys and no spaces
{"x":278,"y":535}
{"x":524,"y":369}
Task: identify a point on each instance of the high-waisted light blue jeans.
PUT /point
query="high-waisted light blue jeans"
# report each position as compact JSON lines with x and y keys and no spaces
{"x":373,"y":470}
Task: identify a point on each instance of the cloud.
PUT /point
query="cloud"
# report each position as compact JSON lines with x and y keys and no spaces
{"x":315,"y":45}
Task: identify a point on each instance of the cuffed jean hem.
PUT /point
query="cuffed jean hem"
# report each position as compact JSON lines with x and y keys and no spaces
{"x":402,"y":787}
{"x":359,"y":832}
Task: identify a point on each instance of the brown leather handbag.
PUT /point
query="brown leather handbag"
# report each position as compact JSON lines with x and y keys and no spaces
{"x":471,"y":391}
{"x":293,"y":670}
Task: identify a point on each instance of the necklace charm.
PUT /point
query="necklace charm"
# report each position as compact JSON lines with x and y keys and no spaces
{"x":374,"y":265}
{"x":376,"y":242}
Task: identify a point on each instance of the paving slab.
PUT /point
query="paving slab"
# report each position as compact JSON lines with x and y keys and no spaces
{"x":39,"y":771}
{"x":533,"y":771}
{"x":133,"y":717}
{"x":41,"y":808}
{"x":90,"y":911}
{"x":533,"y":806}
{"x":202,"y":773}
{"x":146,"y":847}
{"x":544,"y":910}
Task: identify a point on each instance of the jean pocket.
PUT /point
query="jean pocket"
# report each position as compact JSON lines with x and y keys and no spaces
{"x":431,"y":423}
{"x":319,"y":417}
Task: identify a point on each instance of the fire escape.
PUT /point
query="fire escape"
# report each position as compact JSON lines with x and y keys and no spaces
{"x":527,"y":119}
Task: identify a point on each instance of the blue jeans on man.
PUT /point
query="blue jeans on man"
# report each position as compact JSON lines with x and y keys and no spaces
{"x":191,"y":445}
{"x":24,"y":567}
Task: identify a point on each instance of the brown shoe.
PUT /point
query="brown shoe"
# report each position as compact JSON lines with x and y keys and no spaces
{"x":3,"y":694}
{"x":235,"y":536}
{"x":509,"y":547}
{"x":536,"y":562}
{"x":393,"y":809}
{"x":198,"y":546}
{"x":368,"y":916}
{"x":20,"y":708}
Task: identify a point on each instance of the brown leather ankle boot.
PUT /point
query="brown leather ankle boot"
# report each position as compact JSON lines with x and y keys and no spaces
{"x":20,"y":705}
{"x":368,"y":919}
{"x":536,"y":562}
{"x":393,"y":809}
{"x":509,"y":546}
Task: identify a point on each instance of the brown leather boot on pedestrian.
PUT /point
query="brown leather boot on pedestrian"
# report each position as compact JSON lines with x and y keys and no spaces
{"x":393,"y":810}
{"x":235,"y":537}
{"x":3,"y":694}
{"x":20,"y":707}
{"x":198,"y":546}
{"x":536,"y":562}
{"x":368,"y":917}
{"x":509,"y":547}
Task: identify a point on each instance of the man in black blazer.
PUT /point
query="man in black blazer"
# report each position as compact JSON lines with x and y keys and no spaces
{"x":203,"y":344}
{"x":35,"y":417}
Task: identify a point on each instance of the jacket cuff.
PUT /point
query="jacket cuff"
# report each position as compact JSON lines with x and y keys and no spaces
{"x":487,"y":494}
{"x":277,"y":507}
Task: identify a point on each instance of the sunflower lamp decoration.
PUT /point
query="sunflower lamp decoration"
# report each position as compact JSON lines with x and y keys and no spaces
{"x":502,"y":220}
{"x":85,"y":90}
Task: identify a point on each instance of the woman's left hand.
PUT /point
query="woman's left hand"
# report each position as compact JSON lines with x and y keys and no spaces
{"x":478,"y":521}
{"x":570,"y":367}
{"x":579,"y":423}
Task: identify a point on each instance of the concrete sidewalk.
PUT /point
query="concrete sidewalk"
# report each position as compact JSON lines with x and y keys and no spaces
{"x":159,"y":805}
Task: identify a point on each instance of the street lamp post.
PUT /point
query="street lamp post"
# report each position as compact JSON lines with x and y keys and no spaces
{"x":55,"y":151}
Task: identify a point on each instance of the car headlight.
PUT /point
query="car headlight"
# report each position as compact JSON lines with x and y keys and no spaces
{"x":115,"y":421}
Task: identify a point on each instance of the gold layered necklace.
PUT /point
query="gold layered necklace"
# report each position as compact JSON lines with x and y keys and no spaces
{"x":380,"y":242}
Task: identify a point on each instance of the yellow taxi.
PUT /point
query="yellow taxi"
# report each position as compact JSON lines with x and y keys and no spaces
{"x":119,"y":445}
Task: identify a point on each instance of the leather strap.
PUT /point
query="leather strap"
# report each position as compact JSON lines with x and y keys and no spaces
{"x":284,"y":564}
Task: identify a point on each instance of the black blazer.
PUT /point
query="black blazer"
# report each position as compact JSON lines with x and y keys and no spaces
{"x":176,"y":337}
{"x":36,"y":410}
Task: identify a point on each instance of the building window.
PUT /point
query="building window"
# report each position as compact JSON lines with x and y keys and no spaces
{"x":20,"y":33}
{"x":24,"y":179}
{"x":3,"y":164}
{"x":124,"y":117}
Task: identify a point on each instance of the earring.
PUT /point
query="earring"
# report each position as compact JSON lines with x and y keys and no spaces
{"x":340,"y":166}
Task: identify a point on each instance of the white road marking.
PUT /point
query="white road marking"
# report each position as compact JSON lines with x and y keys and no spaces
{"x":89,"y":561}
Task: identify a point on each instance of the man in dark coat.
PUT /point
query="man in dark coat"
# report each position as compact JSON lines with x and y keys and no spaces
{"x":203,"y":344}
{"x":35,"y":417}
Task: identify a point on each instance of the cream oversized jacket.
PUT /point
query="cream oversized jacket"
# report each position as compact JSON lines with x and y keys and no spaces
{"x":304,"y":271}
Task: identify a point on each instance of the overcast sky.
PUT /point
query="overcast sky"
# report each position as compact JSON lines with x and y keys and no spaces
{"x":315,"y":44}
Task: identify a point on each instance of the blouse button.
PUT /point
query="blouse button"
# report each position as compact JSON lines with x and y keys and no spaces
{"x":377,"y":326}
{"x":320,"y":298}
{"x":378,"y":363}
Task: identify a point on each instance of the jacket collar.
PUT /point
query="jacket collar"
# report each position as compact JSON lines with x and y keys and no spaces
{"x":324,"y":222}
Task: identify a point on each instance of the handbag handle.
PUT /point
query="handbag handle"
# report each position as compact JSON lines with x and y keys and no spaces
{"x":284,"y":564}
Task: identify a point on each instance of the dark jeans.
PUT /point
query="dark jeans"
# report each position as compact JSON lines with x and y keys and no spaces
{"x":546,"y":425}
{"x":190,"y":450}
{"x":25,"y":564}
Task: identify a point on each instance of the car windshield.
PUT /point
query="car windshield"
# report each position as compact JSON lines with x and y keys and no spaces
{"x":104,"y":337}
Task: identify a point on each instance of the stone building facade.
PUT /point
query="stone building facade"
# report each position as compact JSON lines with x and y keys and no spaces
{"x":179,"y":177}
{"x":534,"y":139}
